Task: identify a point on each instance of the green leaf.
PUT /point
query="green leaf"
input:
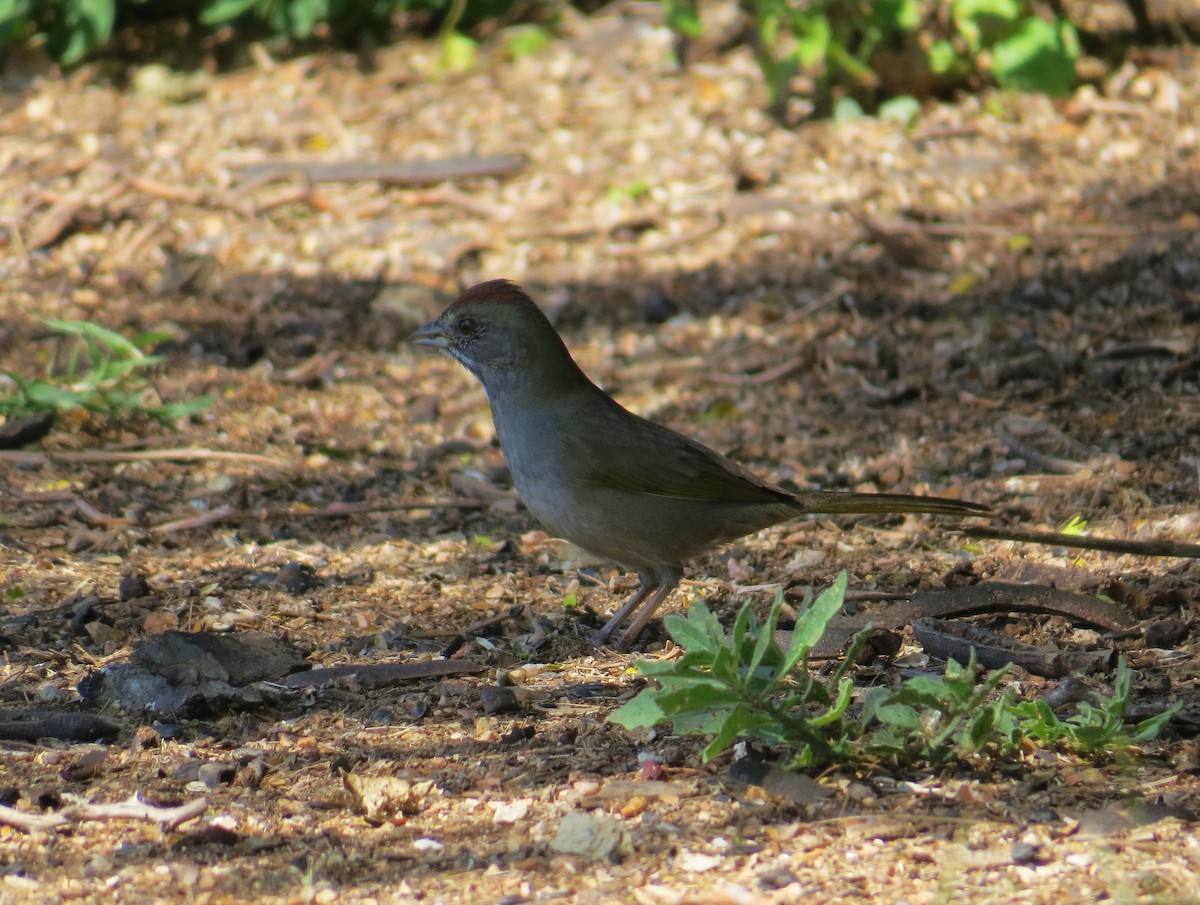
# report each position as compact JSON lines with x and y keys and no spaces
{"x":525,"y":40}
{"x":1075,"y":525}
{"x":458,"y":52}
{"x":698,"y":631}
{"x":735,"y":723}
{"x":304,"y":15}
{"x":840,"y":705}
{"x":901,"y":716}
{"x":655,"y":668}
{"x":148,"y":339}
{"x":43,"y":395}
{"x":741,"y":624}
{"x":683,"y":17}
{"x":81,"y":26}
{"x":895,"y":15}
{"x":176,"y":410}
{"x":699,"y":722}
{"x":695,"y":697}
{"x":725,"y":666}
{"x":980,"y":729}
{"x":14,"y":12}
{"x":982,"y":22}
{"x":813,"y":621}
{"x":641,"y":712}
{"x":220,"y":11}
{"x":1149,"y":729}
{"x":1009,"y":10}
{"x":943,"y":59}
{"x":1040,"y":57}
{"x":813,"y":36}
{"x":847,"y":109}
{"x":903,"y":109}
{"x":766,"y":638}
{"x":101,"y":336}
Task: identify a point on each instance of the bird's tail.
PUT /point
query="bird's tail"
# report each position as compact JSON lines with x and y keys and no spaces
{"x":834,"y":502}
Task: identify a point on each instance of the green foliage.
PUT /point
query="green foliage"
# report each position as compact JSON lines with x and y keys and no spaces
{"x":72,"y":29}
{"x":874,"y":51}
{"x":746,"y":686}
{"x":302,"y":19}
{"x":865,"y":52}
{"x":103,"y":372}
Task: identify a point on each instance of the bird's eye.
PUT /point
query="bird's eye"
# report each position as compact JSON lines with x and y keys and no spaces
{"x":467,"y":325}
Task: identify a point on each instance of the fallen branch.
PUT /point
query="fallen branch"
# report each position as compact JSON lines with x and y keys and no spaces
{"x":987,"y":597}
{"x":131,"y":809}
{"x":948,"y":640}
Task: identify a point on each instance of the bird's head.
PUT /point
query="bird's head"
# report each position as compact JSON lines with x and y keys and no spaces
{"x":498,"y":334}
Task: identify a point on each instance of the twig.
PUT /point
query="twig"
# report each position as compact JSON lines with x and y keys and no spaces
{"x":131,"y":809}
{"x":393,"y":172}
{"x":70,"y":727}
{"x":196,"y":454}
{"x":1109,"y":545}
{"x":198,"y":521}
{"x":1035,"y":456}
{"x":148,"y":186}
{"x":380,"y":674}
{"x":96,"y":518}
{"x":801,"y":362}
{"x":333,"y":510}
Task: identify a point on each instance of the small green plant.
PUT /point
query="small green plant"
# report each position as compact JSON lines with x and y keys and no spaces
{"x":1093,"y":727}
{"x":103,"y":373}
{"x":635,"y":191}
{"x":746,"y":686}
{"x":1076,"y":525}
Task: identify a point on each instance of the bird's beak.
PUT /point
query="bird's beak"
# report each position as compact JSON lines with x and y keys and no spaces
{"x":431,"y":335}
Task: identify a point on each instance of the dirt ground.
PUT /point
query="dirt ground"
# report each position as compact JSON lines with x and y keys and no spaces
{"x":856,"y":305}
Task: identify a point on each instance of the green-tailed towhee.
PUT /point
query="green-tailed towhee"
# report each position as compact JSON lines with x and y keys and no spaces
{"x":604,"y":478}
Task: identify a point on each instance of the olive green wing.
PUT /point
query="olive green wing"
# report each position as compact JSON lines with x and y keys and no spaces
{"x":640,"y":457}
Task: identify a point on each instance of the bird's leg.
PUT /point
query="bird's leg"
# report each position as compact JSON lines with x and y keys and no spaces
{"x":630,"y":634}
{"x":599,"y":637}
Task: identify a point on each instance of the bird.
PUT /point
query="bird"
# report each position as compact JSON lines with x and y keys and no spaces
{"x":616,"y":484}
